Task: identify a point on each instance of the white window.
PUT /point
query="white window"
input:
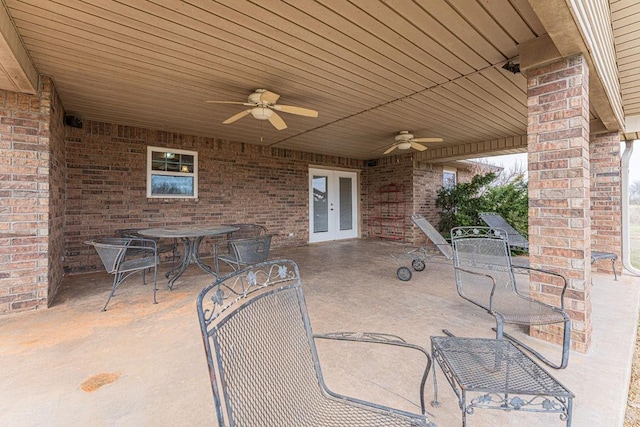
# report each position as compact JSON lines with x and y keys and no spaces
{"x":172,"y":173}
{"x":449,"y":179}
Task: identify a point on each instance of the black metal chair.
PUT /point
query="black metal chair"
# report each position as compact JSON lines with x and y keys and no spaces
{"x":263,"y":363}
{"x":485,"y":277}
{"x":242,"y":252}
{"x":124,"y":256}
{"x":162,"y":245}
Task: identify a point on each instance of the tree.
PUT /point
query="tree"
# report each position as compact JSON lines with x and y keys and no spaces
{"x":634,"y":193}
{"x":511,"y":201}
{"x":461,"y":205}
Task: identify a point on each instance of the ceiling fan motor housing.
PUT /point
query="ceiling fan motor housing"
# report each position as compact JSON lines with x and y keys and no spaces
{"x":254,"y":98}
{"x":404,"y":136}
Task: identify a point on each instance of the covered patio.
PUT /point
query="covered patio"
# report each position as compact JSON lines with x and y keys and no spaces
{"x":143,"y":364}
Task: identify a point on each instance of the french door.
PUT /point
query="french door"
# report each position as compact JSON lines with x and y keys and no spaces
{"x":333,"y":205}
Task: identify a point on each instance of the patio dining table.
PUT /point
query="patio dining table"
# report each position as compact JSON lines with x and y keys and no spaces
{"x":191,"y":237}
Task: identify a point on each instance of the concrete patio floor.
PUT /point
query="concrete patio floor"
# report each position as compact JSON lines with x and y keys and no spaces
{"x":140,"y":364}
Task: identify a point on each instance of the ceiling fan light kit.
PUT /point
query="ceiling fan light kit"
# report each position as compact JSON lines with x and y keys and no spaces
{"x":261,"y":113}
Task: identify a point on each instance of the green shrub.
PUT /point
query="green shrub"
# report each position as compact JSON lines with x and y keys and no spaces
{"x":461,"y":204}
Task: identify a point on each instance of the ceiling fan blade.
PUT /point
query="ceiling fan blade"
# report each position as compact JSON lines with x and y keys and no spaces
{"x":269,"y":97}
{"x":277,"y":121}
{"x":390,"y":149}
{"x":296,"y":110}
{"x":228,"y":102}
{"x":427,"y":140}
{"x":417,"y":146}
{"x":235,"y":117}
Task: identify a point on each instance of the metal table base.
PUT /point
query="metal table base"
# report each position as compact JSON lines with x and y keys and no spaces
{"x":494,"y":374}
{"x":191,"y":237}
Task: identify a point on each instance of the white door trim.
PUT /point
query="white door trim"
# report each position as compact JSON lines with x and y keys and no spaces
{"x":333,"y":208}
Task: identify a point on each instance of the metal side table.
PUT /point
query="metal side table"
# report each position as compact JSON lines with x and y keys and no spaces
{"x":494,"y":374}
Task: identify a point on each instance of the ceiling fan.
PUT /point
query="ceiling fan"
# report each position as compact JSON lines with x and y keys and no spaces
{"x":405,"y":140}
{"x":263,"y":107}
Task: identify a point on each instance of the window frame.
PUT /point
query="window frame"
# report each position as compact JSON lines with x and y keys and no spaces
{"x":152,"y":172}
{"x":449,"y":170}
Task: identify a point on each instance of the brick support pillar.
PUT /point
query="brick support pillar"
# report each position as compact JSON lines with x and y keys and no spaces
{"x":559,"y":190}
{"x":606,"y":198}
{"x":24,"y":210}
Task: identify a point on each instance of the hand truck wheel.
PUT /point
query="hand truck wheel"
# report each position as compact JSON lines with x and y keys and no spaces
{"x":404,"y":274}
{"x":418,"y":265}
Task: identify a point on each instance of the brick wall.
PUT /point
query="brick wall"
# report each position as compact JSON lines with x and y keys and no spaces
{"x":29,"y":276}
{"x":52,"y":109}
{"x":427,"y":180}
{"x":606,"y":197}
{"x":106,"y":187}
{"x":559,"y":190}
{"x":377,"y":216}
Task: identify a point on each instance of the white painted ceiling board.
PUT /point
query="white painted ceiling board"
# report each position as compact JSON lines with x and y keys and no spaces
{"x":370,"y":68}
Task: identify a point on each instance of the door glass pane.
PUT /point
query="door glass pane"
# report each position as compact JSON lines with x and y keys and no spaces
{"x":320,"y":205}
{"x":346,"y":206}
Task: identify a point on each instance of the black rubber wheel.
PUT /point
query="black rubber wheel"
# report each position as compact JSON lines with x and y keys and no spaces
{"x":404,"y":274}
{"x":418,"y":265}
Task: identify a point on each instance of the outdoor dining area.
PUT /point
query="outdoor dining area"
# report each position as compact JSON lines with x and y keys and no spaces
{"x":141,"y":363}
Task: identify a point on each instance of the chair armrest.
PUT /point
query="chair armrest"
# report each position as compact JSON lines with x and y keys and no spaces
{"x":493,"y":286}
{"x":379,"y":338}
{"x":142,"y":245}
{"x":551,"y":273}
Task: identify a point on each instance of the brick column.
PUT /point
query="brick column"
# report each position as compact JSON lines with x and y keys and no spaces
{"x":24,"y":210}
{"x":559,"y":190}
{"x":606,"y":198}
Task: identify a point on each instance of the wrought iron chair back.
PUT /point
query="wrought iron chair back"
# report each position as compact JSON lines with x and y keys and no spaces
{"x":246,"y":231}
{"x":485,"y":277}
{"x":242,"y":252}
{"x":125,"y":256}
{"x":263,"y":364}
{"x":163,"y":245}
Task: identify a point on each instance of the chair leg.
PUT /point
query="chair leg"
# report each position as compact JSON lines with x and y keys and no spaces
{"x":566,"y":344}
{"x":155,"y":283}
{"x":613,"y":267}
{"x":117,"y":279}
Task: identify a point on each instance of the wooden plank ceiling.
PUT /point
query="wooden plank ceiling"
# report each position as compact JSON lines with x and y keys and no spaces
{"x":625,"y":16}
{"x":370,"y":68}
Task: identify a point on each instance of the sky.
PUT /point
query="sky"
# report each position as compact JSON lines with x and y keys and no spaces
{"x":510,"y":160}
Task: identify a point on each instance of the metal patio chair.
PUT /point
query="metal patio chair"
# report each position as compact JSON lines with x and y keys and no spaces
{"x":162,"y":245}
{"x":518,"y":241}
{"x":263,"y":363}
{"x":124,"y":256}
{"x":242,"y":252}
{"x":485,"y":277}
